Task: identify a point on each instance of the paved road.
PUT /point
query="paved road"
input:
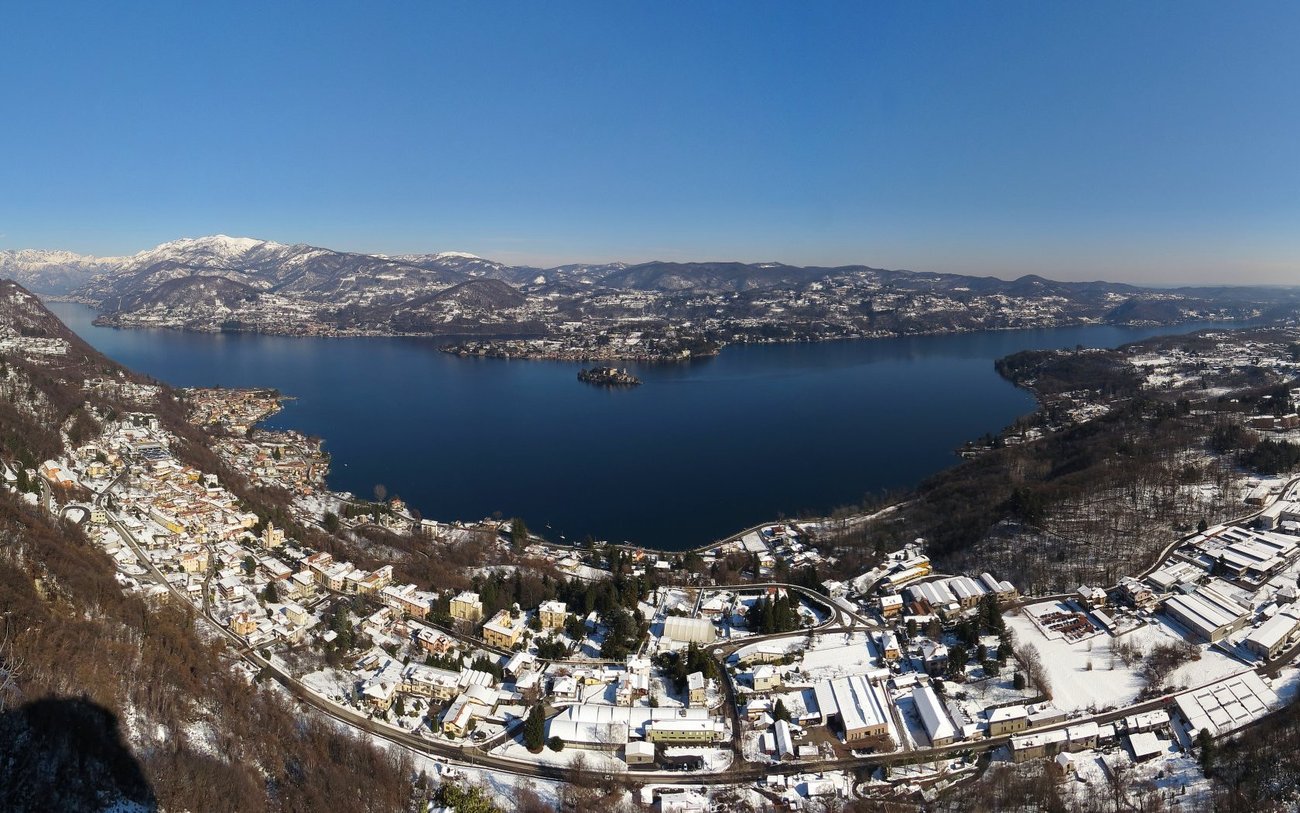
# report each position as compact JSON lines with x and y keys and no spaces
{"x":841,"y":620}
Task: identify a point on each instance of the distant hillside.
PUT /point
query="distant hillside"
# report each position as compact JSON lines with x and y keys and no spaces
{"x":52,"y":272}
{"x":241,"y":283}
{"x":485,"y":294}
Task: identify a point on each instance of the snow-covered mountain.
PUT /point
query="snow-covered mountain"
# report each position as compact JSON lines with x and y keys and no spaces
{"x":52,"y":272}
{"x":301,"y":271}
{"x":242,"y":283}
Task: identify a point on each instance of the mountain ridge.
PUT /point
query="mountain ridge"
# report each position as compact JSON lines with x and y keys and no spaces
{"x":655,"y":309}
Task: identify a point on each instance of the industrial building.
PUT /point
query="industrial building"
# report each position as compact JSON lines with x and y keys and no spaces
{"x":1208,"y":613}
{"x":862,"y":707}
{"x":1227,"y":705}
{"x":689,"y":630}
{"x":1274,"y":634}
{"x":592,"y":725}
{"x":938,"y":727}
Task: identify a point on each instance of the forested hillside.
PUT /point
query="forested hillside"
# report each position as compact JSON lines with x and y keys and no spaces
{"x":115,"y":697}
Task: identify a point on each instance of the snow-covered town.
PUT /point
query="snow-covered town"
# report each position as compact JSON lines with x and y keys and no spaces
{"x":685,"y":686}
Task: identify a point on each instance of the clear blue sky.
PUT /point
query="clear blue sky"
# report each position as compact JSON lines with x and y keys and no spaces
{"x":1148,"y":142}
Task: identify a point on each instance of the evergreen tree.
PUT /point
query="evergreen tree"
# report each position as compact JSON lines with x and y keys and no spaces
{"x":535,"y":729}
{"x":957,"y":659}
{"x":342,"y":627}
{"x":780,"y":712}
{"x":1206,"y":743}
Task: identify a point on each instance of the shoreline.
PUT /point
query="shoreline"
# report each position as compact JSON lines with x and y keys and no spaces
{"x":820,"y":519}
{"x":458,"y":342}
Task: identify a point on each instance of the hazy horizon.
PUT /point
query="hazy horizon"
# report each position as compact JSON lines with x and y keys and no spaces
{"x":1153,"y":144}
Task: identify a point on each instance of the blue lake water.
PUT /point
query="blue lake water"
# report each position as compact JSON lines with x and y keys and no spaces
{"x":699,"y":451}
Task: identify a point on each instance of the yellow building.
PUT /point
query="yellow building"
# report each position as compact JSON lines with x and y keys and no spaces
{"x":552,"y":614}
{"x":682,"y":731}
{"x":504,"y":630}
{"x":243,"y":624}
{"x":467,"y":607}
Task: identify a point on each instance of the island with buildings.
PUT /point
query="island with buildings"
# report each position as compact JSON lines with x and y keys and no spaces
{"x":608,"y":377}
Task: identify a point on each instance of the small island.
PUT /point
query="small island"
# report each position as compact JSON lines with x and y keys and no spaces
{"x":608,"y":377}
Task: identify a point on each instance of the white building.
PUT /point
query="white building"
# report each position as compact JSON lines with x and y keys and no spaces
{"x":689,"y":630}
{"x":938,"y":726}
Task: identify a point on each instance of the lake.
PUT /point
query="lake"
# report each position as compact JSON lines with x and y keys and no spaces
{"x":699,"y":451}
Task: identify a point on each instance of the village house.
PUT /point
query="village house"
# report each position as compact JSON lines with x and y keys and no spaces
{"x":1091,"y":597}
{"x":379,"y":690}
{"x":475,"y":702}
{"x":229,"y":587}
{"x":407,"y":599}
{"x":934,"y":656}
{"x":467,"y":607}
{"x":766,"y":678}
{"x":1136,"y":593}
{"x":696,"y":689}
{"x":194,"y":561}
{"x":552,"y":614}
{"x":301,"y":585}
{"x":891,"y":606}
{"x":504,"y":630}
{"x":889,"y":648}
{"x":1007,"y":720}
{"x":433,"y":642}
{"x":243,"y":624}
{"x":426,"y":681}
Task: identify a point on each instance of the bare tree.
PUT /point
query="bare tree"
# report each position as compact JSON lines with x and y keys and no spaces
{"x":11,"y":669}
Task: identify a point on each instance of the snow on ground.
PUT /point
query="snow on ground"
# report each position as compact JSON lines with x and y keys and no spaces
{"x":333,"y":684}
{"x":751,"y":747}
{"x":913,"y":731}
{"x":502,"y":785}
{"x":975,"y":697}
{"x":202,"y":738}
{"x":1178,"y":776}
{"x":1109,"y":683}
{"x":797,"y":701}
{"x":817,"y":614}
{"x":839,"y":654}
{"x":1287,"y":684}
{"x":596,"y":760}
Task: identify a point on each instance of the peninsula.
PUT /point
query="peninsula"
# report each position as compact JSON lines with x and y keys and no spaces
{"x":798,"y":657}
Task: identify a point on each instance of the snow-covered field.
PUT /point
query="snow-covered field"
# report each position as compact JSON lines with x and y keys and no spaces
{"x":1088,"y":674}
{"x":839,"y":654}
{"x":333,"y":684}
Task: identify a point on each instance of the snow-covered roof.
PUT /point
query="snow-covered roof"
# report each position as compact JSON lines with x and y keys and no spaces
{"x":1227,"y":705}
{"x":937,"y":724}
